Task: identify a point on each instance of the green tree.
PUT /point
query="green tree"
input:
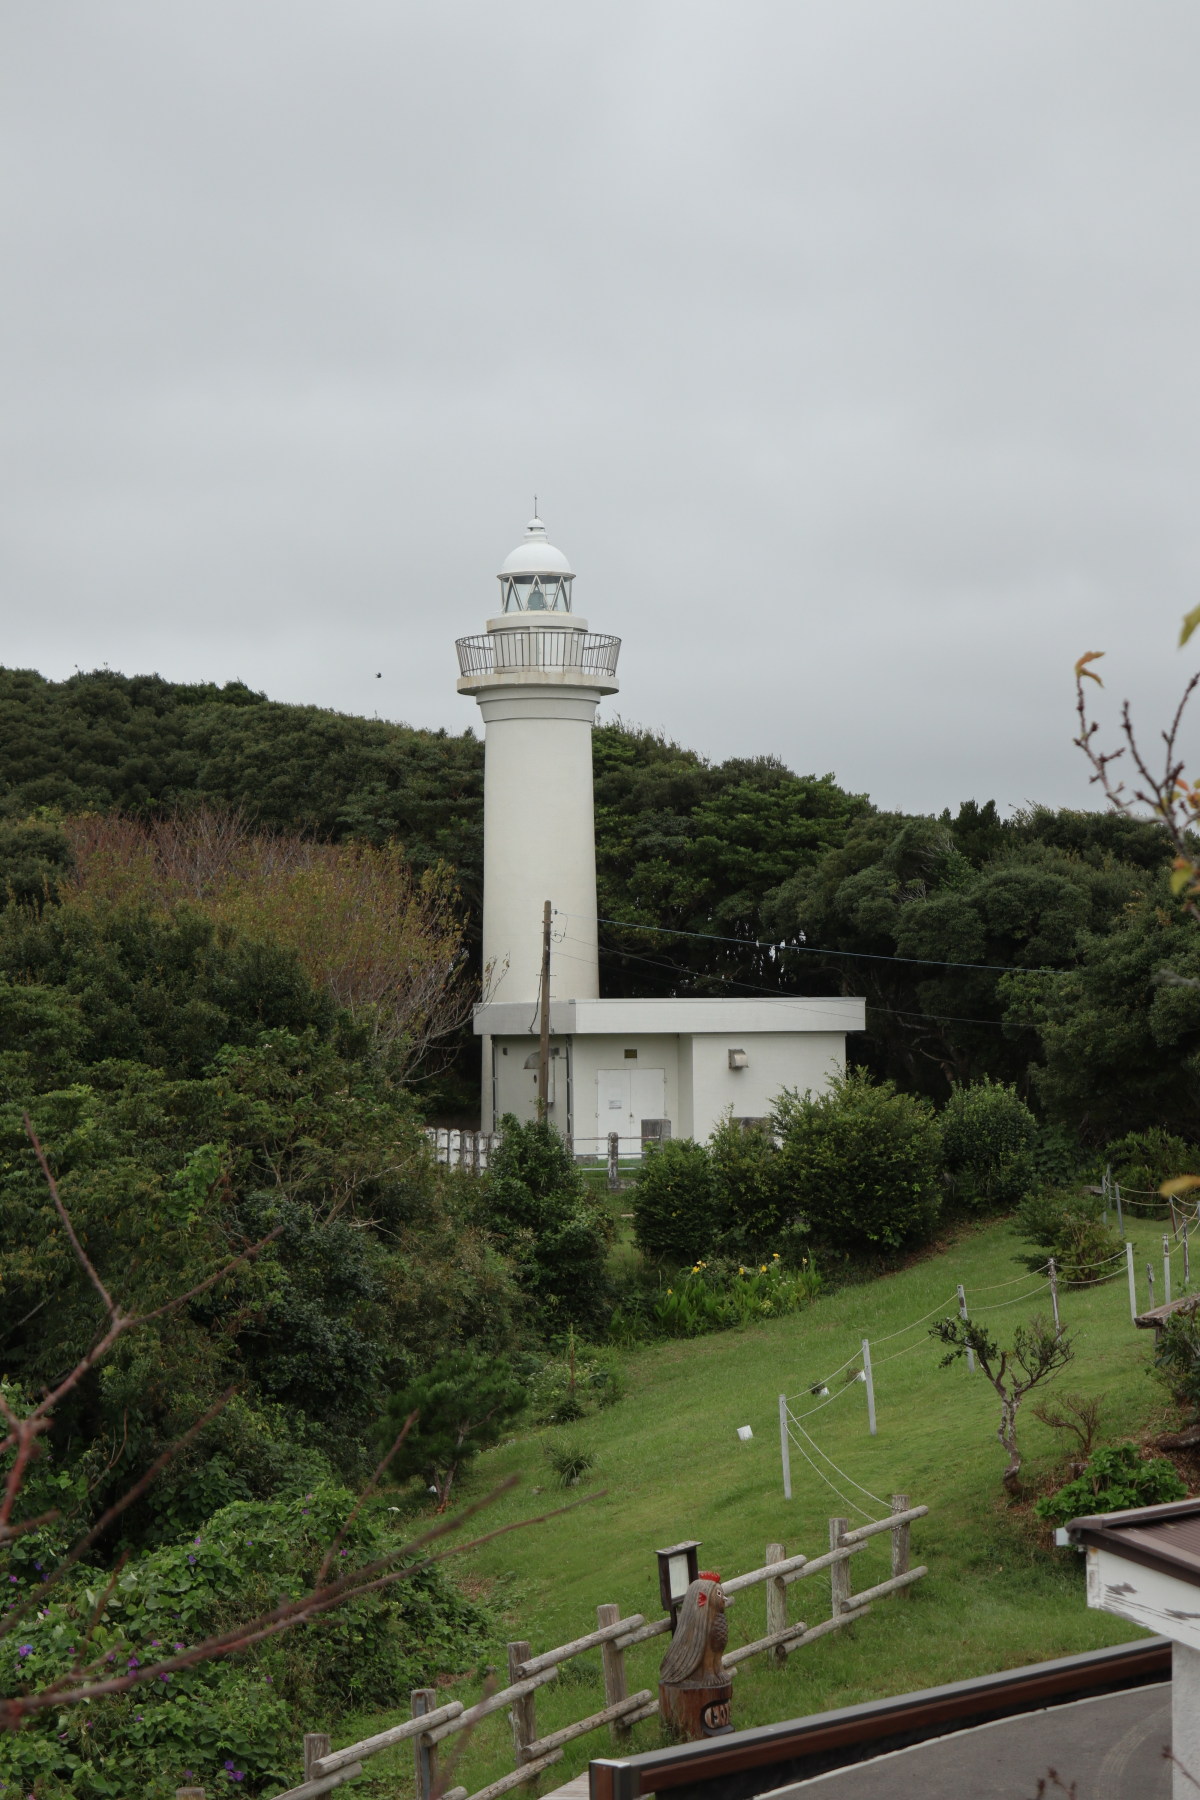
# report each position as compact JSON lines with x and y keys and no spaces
{"x":540,"y":1213}
{"x":989,"y":1137}
{"x":861,"y":1163}
{"x":463,"y":1404}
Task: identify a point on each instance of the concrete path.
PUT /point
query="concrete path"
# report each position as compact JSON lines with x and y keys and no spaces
{"x":1110,"y":1747}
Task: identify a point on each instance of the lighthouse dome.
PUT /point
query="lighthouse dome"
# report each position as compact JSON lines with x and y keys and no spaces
{"x":535,"y":577}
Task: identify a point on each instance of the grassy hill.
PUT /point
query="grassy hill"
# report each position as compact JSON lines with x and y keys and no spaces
{"x":670,"y":1466}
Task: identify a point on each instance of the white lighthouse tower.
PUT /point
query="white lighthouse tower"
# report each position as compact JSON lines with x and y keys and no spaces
{"x":639,"y":1069}
{"x":538,"y":675}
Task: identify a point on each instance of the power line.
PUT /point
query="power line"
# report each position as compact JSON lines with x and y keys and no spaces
{"x":929,"y":962}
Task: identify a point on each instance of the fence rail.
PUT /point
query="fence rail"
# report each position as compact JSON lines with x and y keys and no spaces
{"x":431,"y":1725}
{"x":590,"y":652}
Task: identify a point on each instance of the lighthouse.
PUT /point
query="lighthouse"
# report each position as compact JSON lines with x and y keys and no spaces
{"x":538,"y":674}
{"x":639,"y":1070}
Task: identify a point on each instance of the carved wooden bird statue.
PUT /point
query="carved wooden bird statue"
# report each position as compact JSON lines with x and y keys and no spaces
{"x":695,"y":1657}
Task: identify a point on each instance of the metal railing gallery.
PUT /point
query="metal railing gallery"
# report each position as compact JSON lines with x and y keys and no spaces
{"x":495,"y":651}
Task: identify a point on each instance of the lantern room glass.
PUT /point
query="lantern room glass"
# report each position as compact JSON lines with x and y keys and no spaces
{"x":537,"y":593}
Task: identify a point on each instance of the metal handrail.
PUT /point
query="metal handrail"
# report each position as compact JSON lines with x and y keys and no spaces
{"x":495,"y":651}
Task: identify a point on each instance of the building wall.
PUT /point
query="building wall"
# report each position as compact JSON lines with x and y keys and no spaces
{"x":698,"y":1084}
{"x":776,"y":1059}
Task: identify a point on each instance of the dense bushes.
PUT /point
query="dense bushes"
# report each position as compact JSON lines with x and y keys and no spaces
{"x":240,"y":1719}
{"x":989,"y":1138}
{"x":1066,"y":1224}
{"x":538,"y":1209}
{"x":1114,"y":1478}
{"x":675,"y":1211}
{"x":861,"y":1164}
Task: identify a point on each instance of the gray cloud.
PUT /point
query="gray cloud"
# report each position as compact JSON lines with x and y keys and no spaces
{"x":850,"y":348}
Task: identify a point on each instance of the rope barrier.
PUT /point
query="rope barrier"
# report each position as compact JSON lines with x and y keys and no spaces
{"x":850,"y":1505}
{"x":951,"y":1300}
{"x":821,"y":1404}
{"x":841,"y":1472}
{"x":1015,"y":1301}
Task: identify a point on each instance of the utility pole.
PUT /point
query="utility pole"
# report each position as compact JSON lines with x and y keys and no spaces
{"x":544,"y":1039}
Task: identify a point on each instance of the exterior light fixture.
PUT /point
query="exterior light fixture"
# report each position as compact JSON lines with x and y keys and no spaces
{"x":678,"y":1567}
{"x":738,"y":1059}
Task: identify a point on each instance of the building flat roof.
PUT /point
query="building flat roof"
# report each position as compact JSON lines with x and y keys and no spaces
{"x":716,"y":1017}
{"x":1166,"y":1538}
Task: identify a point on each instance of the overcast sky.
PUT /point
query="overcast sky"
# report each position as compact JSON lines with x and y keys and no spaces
{"x":850,"y":346}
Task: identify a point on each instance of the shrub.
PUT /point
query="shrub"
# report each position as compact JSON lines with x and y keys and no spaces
{"x":1113,"y":1479}
{"x":749,"y":1200}
{"x":674,"y":1202}
{"x":462,"y":1405}
{"x":1068,"y":1227}
{"x":861,"y":1162}
{"x":570,"y":1462}
{"x":1142,"y":1159}
{"x":241,"y":1718}
{"x":543,"y":1216}
{"x":560,"y":1393}
{"x":988,"y":1139}
{"x":1177,"y":1358}
{"x":720,"y":1296}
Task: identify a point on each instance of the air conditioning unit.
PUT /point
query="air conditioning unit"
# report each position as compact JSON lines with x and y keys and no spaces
{"x":655,"y":1130}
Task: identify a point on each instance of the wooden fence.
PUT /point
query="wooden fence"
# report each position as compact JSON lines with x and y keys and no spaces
{"x":432,"y":1725}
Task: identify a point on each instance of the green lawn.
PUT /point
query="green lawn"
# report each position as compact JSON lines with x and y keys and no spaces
{"x":669,"y":1465}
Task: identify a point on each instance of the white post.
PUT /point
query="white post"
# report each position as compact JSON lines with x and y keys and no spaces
{"x":1132,"y":1281}
{"x":962,"y":1313}
{"x":1166,"y":1270}
{"x":870,"y":1386}
{"x":1187,"y":1261}
{"x":1120,"y":1220}
{"x":1150,"y":1285}
{"x":783,"y":1447}
{"x":1054,"y":1298}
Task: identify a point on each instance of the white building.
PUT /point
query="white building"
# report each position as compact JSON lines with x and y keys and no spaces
{"x":641,"y":1068}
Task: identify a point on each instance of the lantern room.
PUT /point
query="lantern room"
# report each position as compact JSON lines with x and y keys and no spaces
{"x":536,"y":578}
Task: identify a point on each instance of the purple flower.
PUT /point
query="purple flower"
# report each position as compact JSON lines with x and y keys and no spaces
{"x":134,"y":1663}
{"x":179,"y":1646}
{"x":164,"y":1678}
{"x":191,"y":1559}
{"x":25,"y":1650}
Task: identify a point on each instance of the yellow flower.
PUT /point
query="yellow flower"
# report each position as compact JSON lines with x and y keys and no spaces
{"x":670,"y":1290}
{"x":741,"y":1271}
{"x":762,"y":1268}
{"x":775,"y":1255}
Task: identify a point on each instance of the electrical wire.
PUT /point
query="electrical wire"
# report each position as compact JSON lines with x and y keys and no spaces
{"x":928,"y":962}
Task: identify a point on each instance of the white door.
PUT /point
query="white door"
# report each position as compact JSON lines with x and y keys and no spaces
{"x":624,"y":1097}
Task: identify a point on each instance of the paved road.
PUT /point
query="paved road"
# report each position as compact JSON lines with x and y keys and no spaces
{"x":1111,"y":1747}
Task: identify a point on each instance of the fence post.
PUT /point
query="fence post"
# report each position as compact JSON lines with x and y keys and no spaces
{"x":1187,"y":1261}
{"x":962,"y":1313}
{"x":524,"y":1725}
{"x":1054,"y":1297}
{"x":1166,"y":1269}
{"x":866,"y":1350}
{"x":615,"y":1686}
{"x":614,"y":1157}
{"x":776,"y":1607}
{"x":784,"y":1450}
{"x":900,"y":1541}
{"x":1120,"y":1220}
{"x":316,"y":1745}
{"x":1132,"y":1282}
{"x":425,"y":1755}
{"x":1150,"y":1285}
{"x":839,"y":1572}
